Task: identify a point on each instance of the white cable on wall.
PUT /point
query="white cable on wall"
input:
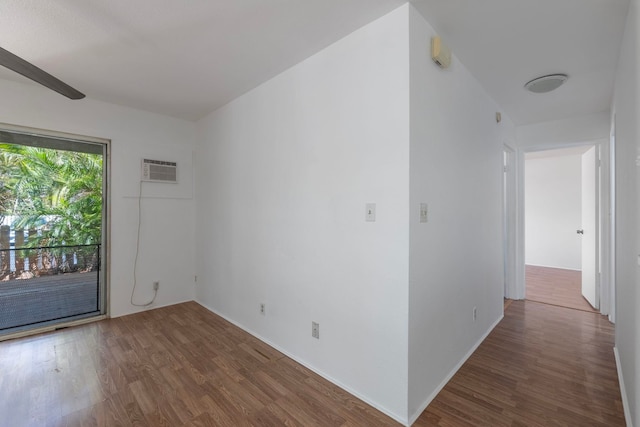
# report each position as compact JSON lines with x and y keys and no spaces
{"x":135,"y":262}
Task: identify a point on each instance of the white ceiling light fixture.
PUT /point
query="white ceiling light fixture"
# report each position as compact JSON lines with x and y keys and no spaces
{"x":546,"y":84}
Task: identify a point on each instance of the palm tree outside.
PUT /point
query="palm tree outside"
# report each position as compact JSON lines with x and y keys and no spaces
{"x":59,"y":192}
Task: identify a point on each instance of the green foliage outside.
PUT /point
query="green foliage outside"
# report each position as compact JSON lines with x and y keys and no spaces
{"x":61,"y":190}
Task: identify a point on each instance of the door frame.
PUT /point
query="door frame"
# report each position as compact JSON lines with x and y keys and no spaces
{"x":610,"y":214}
{"x":605,"y":220}
{"x":105,"y":257}
{"x":509,"y":220}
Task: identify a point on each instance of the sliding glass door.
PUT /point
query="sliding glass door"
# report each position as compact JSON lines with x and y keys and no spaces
{"x":53,"y":222}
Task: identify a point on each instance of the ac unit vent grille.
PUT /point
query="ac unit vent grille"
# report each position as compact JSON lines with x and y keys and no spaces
{"x":159,"y":171}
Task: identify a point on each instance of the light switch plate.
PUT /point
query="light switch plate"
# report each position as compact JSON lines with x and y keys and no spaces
{"x":370,"y":212}
{"x":424,"y":213}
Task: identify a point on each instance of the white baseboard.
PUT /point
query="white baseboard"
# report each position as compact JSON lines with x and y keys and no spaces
{"x":553,"y":266}
{"x":416,"y":414}
{"x":140,"y":309}
{"x":623,"y":391}
{"x":398,"y":418}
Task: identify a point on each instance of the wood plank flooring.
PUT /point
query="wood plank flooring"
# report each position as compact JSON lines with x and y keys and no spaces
{"x":184,"y":366}
{"x":556,"y":286}
{"x":541,"y":366}
{"x":174,"y":366}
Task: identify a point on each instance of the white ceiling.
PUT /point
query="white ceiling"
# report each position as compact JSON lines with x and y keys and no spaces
{"x":506,"y":43}
{"x":181,"y":58}
{"x":187,"y":58}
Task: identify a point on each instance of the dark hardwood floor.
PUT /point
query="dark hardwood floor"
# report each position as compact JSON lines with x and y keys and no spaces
{"x":174,"y":366}
{"x":556,"y":286}
{"x":543,"y":365}
{"x":184,"y":366}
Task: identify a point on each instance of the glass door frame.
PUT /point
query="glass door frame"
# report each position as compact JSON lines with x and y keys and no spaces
{"x":51,"y":138}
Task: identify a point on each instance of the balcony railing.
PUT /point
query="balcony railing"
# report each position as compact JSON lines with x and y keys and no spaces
{"x":27,"y":263}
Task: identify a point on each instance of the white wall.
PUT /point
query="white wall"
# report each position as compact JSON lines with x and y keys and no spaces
{"x":456,"y":260}
{"x":576,"y":130}
{"x":625,"y":111}
{"x":553,"y":211}
{"x":283,"y":176}
{"x":167,"y":234}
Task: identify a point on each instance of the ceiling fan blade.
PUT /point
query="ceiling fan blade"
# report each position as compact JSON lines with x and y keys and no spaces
{"x":34,"y":73}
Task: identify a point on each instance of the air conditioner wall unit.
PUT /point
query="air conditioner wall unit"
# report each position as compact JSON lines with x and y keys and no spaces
{"x":159,"y":171}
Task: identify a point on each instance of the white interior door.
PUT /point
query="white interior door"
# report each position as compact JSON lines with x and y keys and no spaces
{"x":589,"y":227}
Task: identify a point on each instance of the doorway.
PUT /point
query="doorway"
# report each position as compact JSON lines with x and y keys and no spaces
{"x":563,"y":226}
{"x":53,"y":230}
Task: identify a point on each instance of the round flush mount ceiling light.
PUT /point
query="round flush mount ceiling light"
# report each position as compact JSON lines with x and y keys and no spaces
{"x":546,"y":84}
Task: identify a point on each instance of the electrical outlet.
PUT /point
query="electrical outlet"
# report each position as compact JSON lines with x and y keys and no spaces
{"x":315,"y":330}
{"x":262,"y":309}
{"x":475,"y":313}
{"x":156,"y":285}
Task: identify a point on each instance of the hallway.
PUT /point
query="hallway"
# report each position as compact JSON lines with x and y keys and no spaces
{"x":542,"y":365}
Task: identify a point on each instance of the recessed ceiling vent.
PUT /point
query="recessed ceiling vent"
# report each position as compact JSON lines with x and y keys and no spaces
{"x":546,"y":84}
{"x":159,"y":171}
